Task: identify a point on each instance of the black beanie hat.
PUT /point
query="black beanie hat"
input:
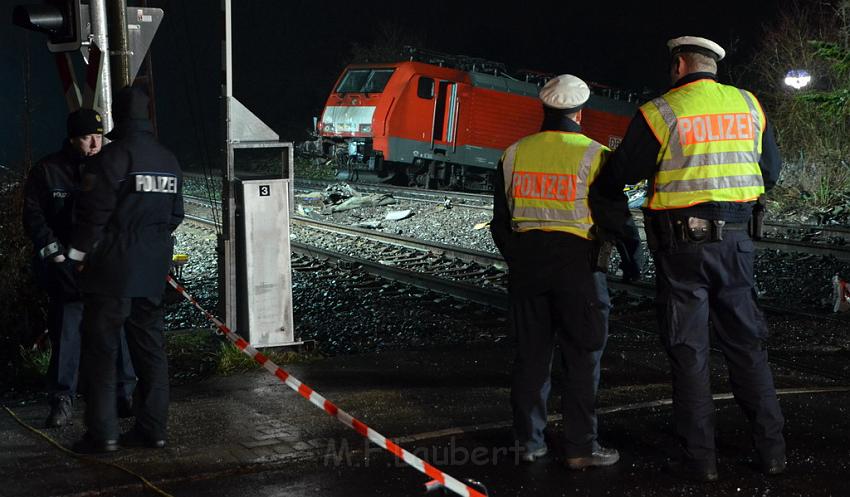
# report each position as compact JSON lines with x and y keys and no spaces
{"x":84,"y":122}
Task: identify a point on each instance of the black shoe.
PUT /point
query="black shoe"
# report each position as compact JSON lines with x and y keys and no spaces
{"x":61,"y":409}
{"x":686,"y":470}
{"x":125,"y":407}
{"x":773,"y":466}
{"x":599,"y":457}
{"x":89,"y":445}
{"x":134,"y":438}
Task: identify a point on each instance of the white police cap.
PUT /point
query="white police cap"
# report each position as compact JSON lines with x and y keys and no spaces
{"x":696,"y":44}
{"x":565,"y":92}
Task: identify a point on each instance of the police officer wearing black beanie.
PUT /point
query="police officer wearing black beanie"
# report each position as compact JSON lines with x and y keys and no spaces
{"x":51,"y":189}
{"x":130,"y":203}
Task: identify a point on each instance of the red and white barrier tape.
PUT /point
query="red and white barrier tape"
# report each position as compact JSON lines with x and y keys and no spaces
{"x":308,"y":393}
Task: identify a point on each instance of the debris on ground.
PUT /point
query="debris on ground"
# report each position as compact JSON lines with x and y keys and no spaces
{"x":840,"y":295}
{"x":371,"y":224}
{"x":339,"y":192}
{"x":363,"y":201}
{"x":398,"y":215}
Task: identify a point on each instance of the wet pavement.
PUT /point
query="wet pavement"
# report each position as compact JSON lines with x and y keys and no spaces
{"x":249,"y":435}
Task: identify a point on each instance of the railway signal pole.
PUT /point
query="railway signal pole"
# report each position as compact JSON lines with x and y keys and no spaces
{"x":71,"y":26}
{"x":120,"y":55}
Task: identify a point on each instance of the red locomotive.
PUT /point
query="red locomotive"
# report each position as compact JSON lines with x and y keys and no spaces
{"x":441,"y":127}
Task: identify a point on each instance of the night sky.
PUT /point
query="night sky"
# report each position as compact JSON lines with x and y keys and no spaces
{"x":288,"y":54}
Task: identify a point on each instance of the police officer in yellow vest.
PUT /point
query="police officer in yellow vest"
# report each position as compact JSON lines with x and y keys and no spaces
{"x":542,"y":226}
{"x":710,"y":154}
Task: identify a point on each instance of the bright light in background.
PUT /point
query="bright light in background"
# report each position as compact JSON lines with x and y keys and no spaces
{"x":797,"y":78}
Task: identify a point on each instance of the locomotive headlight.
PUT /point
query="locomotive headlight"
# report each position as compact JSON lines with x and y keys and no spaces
{"x":365,"y":128}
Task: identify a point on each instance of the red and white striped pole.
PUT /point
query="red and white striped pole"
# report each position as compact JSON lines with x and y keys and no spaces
{"x":308,"y":393}
{"x":94,"y":78}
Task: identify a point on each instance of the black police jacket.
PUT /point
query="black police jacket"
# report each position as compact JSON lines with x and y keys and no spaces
{"x":130,"y":203}
{"x":49,"y":193}
{"x":50,"y":190}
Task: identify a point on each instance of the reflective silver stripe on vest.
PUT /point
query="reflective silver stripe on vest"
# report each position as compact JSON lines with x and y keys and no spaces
{"x":508,"y":171}
{"x":719,"y":183}
{"x":756,"y":122}
{"x":708,"y":160}
{"x":670,"y":120}
{"x":49,"y":250}
{"x":581,"y":209}
{"x":527,"y":225}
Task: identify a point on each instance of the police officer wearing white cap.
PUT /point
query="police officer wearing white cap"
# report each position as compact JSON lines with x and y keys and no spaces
{"x":710,"y":154}
{"x":542,"y":226}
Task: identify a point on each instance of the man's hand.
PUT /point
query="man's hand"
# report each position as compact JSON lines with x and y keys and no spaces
{"x":59,"y":259}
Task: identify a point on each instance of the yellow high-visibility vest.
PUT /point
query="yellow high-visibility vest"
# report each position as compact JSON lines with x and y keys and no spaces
{"x":710,"y":137}
{"x":547,"y":176}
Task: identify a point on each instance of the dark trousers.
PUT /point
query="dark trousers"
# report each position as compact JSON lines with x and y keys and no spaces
{"x":575,"y":318}
{"x":698,"y":283}
{"x":142,"y":320}
{"x":63,"y":328}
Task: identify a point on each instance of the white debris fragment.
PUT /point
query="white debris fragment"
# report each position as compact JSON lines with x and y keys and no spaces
{"x":398,"y":215}
{"x":840,"y":295}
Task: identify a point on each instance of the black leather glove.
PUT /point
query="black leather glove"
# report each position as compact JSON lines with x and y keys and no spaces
{"x":64,"y":280}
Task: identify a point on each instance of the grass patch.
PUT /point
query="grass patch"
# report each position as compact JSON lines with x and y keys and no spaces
{"x":33,"y":366}
{"x":199,"y":354}
{"x":192,"y":354}
{"x":232,"y":360}
{"x":314,"y":168}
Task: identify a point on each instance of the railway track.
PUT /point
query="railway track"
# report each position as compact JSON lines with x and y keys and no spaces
{"x":828,"y":241}
{"x":463,"y":274}
{"x":460,"y":199}
{"x":479,"y":262}
{"x":407,"y":259}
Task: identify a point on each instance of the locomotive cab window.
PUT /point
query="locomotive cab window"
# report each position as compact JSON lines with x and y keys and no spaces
{"x":365,"y":81}
{"x":425,"y":88}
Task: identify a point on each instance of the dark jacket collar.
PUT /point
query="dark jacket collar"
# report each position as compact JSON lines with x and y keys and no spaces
{"x":694,"y":76}
{"x":553,"y":122}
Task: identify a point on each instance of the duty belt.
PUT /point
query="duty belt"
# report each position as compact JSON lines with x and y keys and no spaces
{"x":698,"y":230}
{"x":665,"y":229}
